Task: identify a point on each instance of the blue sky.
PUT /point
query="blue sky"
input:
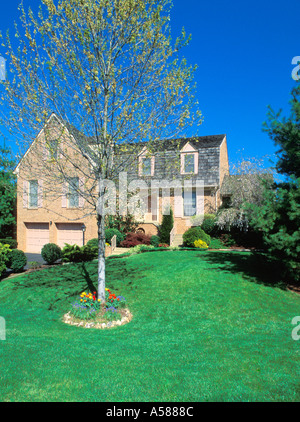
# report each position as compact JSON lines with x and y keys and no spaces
{"x":244,"y":51}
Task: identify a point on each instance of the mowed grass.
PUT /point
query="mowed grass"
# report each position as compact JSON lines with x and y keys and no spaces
{"x":207,"y":326}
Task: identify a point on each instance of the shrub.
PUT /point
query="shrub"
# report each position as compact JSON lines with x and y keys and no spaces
{"x":88,"y":253}
{"x":71,"y":253}
{"x":109,"y":234}
{"x":227,"y":239}
{"x":140,"y":248}
{"x":206,"y":222}
{"x":163,"y":245}
{"x":154,"y":240}
{"x":193,"y":234}
{"x":166,"y":227}
{"x":200,"y":244}
{"x":13,"y":244}
{"x":125,"y":224}
{"x":17,"y":260}
{"x":217,"y":244}
{"x":4,"y":257}
{"x":51,"y":253}
{"x":133,"y":239}
{"x":209,"y":224}
{"x":75,"y":253}
{"x":33,"y":265}
{"x":93,"y":243}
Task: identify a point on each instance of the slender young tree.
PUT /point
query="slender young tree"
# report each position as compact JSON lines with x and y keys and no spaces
{"x":107,"y":68}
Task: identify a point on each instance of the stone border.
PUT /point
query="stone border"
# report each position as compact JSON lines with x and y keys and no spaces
{"x":67,"y":319}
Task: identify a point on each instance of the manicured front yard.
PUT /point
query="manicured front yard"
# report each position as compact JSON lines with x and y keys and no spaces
{"x":207,"y":326}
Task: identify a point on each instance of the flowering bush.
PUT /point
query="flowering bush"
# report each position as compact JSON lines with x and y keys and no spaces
{"x":163,"y":245}
{"x":89,"y":307}
{"x":200,"y":244}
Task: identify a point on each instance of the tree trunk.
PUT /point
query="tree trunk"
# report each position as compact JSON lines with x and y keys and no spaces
{"x":101,"y":258}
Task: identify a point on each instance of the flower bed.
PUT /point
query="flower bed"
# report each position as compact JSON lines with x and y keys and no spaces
{"x":88,"y":311}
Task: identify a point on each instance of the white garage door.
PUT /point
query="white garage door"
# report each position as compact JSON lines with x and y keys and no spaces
{"x":37,"y":235}
{"x":70,"y":233}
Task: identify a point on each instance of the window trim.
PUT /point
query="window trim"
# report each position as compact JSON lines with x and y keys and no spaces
{"x":193,"y":193}
{"x":69,"y":194}
{"x":144,"y":154}
{"x":30,"y":195}
{"x":188,"y":149}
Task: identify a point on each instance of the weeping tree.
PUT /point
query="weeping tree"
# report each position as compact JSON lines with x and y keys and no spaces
{"x":115,"y":80}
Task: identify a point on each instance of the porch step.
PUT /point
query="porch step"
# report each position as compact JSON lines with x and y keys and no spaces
{"x":178,"y":240}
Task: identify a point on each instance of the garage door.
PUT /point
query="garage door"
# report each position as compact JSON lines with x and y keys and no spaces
{"x":70,"y":233}
{"x":37,"y":235}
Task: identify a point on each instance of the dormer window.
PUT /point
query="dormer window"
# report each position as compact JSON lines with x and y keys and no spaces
{"x":189,"y":163}
{"x":189,"y":159}
{"x":146,"y":164}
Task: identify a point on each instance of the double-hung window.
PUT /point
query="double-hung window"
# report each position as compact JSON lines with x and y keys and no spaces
{"x":189,"y":203}
{"x":189,"y":163}
{"x":33,"y":193}
{"x":73,"y":194}
{"x":146,"y":166}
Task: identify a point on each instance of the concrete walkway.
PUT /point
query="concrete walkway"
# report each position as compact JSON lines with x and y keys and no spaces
{"x":119,"y":251}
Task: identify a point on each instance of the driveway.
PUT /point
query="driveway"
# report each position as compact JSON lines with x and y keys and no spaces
{"x":34,"y":257}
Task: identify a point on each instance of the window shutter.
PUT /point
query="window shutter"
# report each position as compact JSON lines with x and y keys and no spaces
{"x":40,"y":194}
{"x":81,"y":190}
{"x":25,"y":194}
{"x":64,"y":195}
{"x":178,"y":203}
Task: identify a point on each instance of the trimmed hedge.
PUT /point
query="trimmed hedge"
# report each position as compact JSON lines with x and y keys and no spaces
{"x":17,"y":260}
{"x":51,"y":253}
{"x":193,"y":234}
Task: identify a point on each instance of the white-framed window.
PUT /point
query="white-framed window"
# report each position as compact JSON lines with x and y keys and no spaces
{"x":146,"y":166}
{"x":189,"y":163}
{"x":73,"y":195}
{"x":189,"y":203}
{"x":146,"y":163}
{"x":189,"y":159}
{"x":33,"y":194}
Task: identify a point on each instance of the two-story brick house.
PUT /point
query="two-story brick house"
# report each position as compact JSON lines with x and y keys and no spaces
{"x":52,"y":208}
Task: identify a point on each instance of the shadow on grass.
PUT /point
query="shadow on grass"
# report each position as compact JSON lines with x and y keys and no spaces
{"x":255,"y":266}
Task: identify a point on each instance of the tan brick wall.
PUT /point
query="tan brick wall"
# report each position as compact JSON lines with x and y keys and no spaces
{"x":224,"y":165}
{"x":34,"y":166}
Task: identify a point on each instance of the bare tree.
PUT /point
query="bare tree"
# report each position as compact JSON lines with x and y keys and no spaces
{"x":109,"y":71}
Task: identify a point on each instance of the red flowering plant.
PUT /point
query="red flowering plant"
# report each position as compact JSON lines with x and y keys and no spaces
{"x":89,"y":307}
{"x":163,"y":245}
{"x":113,"y":304}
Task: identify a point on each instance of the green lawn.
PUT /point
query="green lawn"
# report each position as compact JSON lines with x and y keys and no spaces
{"x":207,"y":326}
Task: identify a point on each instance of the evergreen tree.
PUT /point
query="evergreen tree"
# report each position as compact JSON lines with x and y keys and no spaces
{"x":7,"y":193}
{"x":166,"y":227}
{"x":286,"y":135}
{"x":279,"y":214}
